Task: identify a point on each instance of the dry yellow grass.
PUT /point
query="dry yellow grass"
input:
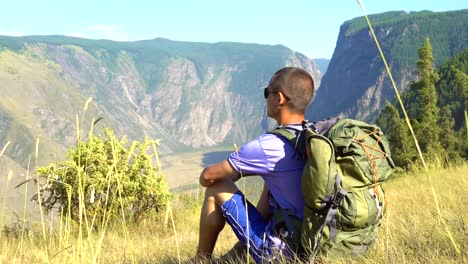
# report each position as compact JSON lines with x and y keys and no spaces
{"x":411,"y":233}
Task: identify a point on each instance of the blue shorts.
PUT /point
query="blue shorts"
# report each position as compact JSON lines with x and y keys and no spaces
{"x":252,"y":230}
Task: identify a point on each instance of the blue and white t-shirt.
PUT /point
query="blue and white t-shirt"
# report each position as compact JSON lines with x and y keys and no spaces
{"x":276,"y":161}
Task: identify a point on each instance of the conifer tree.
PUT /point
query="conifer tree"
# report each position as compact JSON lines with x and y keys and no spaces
{"x":424,"y":112}
{"x":452,"y":88}
{"x":397,"y":132}
{"x":448,"y":139}
{"x":436,"y":109}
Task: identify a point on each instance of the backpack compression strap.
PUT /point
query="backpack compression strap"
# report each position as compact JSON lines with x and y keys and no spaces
{"x":330,"y":216}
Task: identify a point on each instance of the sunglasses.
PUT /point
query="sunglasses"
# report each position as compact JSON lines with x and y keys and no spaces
{"x":266,"y":93}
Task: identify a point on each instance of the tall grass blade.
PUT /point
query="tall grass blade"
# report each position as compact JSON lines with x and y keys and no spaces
{"x":77,"y":129}
{"x":84,"y":110}
{"x":23,"y":224}
{"x":87,"y":104}
{"x":449,"y":233}
{"x":5,"y":194}
{"x":166,"y":218}
{"x":175,"y":232}
{"x":247,"y":255}
{"x":158,"y":163}
{"x":119,"y":189}
{"x":4,"y":197}
{"x":80,"y":189}
{"x":90,"y":134}
{"x":466,"y":122}
{"x":39,"y":199}
{"x":101,"y":239}
{"x":83,"y":218}
{"x":393,"y":84}
{"x":8,"y":143}
{"x":61,"y":228}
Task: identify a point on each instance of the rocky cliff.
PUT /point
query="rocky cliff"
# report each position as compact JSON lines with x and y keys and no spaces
{"x":190,"y":95}
{"x":356,"y":84}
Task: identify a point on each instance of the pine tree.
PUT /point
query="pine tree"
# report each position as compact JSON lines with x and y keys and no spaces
{"x":448,"y":139}
{"x":437,"y":112}
{"x":424,"y":111}
{"x":397,"y":132}
{"x":452,"y":88}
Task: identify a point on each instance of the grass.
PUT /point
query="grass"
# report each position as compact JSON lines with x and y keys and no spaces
{"x":414,"y":230}
{"x":411,"y":233}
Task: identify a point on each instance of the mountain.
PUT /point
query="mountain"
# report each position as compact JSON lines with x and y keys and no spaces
{"x":322,"y":64}
{"x":356,"y":84}
{"x":188,"y":94}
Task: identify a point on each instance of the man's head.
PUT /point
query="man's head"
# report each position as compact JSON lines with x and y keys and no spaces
{"x":294,"y":87}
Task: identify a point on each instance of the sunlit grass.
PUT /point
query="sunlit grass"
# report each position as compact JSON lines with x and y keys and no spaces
{"x":411,"y":232}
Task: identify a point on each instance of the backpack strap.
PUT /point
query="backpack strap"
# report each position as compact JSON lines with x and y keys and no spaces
{"x":295,"y":136}
{"x":284,"y":221}
{"x":285,"y":224}
{"x":331,"y":203}
{"x":330,"y":215}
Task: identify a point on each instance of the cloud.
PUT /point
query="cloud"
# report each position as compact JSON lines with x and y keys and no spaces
{"x":11,"y":33}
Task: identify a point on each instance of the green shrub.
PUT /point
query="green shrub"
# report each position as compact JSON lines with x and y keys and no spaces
{"x":102,"y":179}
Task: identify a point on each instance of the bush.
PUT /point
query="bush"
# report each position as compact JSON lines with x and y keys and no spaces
{"x":104,"y":180}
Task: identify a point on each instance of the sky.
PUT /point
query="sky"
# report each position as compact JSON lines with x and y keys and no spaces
{"x":305,"y":26}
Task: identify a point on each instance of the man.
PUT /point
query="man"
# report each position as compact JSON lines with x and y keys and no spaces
{"x":287,"y":95}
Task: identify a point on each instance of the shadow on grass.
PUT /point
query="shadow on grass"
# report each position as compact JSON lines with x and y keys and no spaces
{"x":250,"y":186}
{"x":214,"y":157}
{"x":171,"y":260}
{"x":185,"y":188}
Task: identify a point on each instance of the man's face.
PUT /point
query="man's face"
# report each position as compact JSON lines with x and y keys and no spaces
{"x":271,"y":100}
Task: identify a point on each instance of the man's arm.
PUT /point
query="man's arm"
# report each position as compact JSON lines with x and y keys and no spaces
{"x":217,"y":172}
{"x":263,"y":205}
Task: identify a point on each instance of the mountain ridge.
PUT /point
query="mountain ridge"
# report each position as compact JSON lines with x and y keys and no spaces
{"x":356,"y":83}
{"x":193,"y":94}
{"x":190,"y":96}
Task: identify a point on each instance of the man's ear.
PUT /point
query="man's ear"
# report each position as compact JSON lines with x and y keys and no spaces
{"x":282,"y":99}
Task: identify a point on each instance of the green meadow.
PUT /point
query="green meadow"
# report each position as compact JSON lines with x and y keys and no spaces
{"x":414,"y":230}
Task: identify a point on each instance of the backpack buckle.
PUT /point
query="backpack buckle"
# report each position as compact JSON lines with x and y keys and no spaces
{"x":306,"y":124}
{"x":338,"y":198}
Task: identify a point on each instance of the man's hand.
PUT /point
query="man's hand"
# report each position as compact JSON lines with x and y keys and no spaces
{"x":216,"y":172}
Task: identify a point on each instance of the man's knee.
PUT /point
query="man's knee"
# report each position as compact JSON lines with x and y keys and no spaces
{"x":221,"y":191}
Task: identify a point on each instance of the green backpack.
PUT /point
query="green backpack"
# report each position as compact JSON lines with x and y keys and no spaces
{"x":346,"y":162}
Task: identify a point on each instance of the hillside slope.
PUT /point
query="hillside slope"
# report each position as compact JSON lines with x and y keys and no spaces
{"x":190,"y":95}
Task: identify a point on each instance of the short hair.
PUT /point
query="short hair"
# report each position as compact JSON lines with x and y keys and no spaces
{"x":296,"y":84}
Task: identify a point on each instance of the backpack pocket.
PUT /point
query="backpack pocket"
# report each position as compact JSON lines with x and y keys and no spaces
{"x":363,"y":152}
{"x":349,"y":243}
{"x":360,"y":209}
